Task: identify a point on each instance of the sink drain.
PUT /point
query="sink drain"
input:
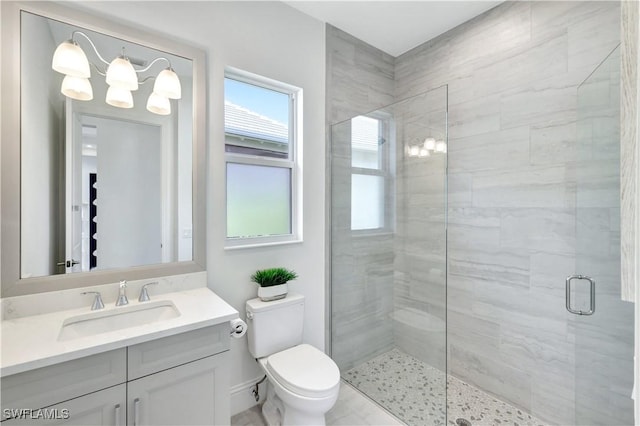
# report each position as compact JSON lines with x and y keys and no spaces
{"x":463,"y":422}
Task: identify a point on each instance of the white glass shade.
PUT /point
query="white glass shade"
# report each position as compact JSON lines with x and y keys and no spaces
{"x":70,"y":59}
{"x":168,"y":84}
{"x":121,"y":74}
{"x":430,"y":144}
{"x":158,"y":104}
{"x":441,"y":146}
{"x":77,"y":88}
{"x":119,"y":97}
{"x":414,"y":151}
{"x":423,"y":152}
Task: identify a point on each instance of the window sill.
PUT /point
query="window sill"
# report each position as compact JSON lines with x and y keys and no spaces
{"x":372,"y":233}
{"x":260,"y":245}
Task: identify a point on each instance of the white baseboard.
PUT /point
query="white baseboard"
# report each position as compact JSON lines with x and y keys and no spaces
{"x":242,"y":397}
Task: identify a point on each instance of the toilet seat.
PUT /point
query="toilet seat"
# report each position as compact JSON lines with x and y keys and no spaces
{"x":305,"y":370}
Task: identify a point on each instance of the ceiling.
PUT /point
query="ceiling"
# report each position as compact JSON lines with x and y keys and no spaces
{"x":394,"y":26}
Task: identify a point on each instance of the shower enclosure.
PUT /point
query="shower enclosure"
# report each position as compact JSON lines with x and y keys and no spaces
{"x":420,"y":324}
{"x":604,"y":340}
{"x":388,"y":247}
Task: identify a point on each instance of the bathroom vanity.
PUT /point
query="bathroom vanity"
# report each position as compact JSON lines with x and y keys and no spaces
{"x":158,"y":361}
{"x":167,"y":371}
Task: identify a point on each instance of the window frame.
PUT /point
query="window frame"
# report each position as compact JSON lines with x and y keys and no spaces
{"x":386,"y":170}
{"x":293,"y":162}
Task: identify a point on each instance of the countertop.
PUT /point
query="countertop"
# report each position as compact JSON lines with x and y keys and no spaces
{"x":32,"y":341}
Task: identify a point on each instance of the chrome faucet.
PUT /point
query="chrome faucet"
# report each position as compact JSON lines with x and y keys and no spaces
{"x":122,"y":295}
{"x":97,"y":301}
{"x":144,"y":294}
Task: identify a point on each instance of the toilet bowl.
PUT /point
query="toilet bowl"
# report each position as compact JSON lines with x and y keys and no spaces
{"x":303,"y":382}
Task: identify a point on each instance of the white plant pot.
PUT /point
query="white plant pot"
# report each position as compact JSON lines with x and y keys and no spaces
{"x":275,"y":292}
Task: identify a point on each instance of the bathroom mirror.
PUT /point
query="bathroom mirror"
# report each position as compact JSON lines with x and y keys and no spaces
{"x":102,"y":189}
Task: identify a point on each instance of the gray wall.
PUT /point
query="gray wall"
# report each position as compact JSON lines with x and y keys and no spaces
{"x":419,"y":284}
{"x":513,"y":75}
{"x":359,"y":79}
{"x":42,"y":242}
{"x":129,"y":175}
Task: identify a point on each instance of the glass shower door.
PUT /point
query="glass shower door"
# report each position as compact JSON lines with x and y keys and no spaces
{"x":388,"y":256}
{"x":602,"y":324}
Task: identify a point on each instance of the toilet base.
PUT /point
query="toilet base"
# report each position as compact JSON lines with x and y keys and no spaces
{"x":275,"y":413}
{"x":272,"y":408}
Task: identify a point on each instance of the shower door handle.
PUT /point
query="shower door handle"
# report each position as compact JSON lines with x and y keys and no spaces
{"x":592,"y":292}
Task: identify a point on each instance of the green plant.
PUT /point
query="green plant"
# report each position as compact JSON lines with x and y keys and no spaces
{"x":273,"y":276}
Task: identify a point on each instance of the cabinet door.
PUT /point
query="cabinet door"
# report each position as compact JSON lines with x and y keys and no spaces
{"x":196,"y":393}
{"x":106,"y":407}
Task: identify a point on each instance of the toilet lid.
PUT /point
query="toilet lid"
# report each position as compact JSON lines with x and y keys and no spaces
{"x":305,"y":370}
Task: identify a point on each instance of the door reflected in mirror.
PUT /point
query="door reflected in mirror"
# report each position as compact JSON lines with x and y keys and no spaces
{"x":102,"y":187}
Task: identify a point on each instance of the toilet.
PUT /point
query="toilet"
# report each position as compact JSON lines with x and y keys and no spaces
{"x":303,"y":382}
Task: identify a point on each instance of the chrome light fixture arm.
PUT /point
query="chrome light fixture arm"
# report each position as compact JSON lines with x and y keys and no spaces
{"x":161,"y":58}
{"x":91,"y":43}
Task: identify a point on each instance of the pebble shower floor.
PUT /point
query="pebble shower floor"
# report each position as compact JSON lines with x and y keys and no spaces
{"x":414,"y":392}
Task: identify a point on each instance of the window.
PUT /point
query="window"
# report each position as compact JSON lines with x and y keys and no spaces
{"x":371,"y":178}
{"x":261,"y":150}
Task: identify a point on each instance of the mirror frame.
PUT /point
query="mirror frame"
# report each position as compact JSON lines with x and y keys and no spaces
{"x":10,"y":110}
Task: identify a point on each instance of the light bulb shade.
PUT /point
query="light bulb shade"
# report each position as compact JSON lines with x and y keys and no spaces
{"x":424,"y":152}
{"x":168,"y":84}
{"x":441,"y":146}
{"x":430,"y":144}
{"x":119,"y":97}
{"x":414,"y":151}
{"x":158,"y":104}
{"x":77,"y":88}
{"x":121,"y":74}
{"x":70,"y":59}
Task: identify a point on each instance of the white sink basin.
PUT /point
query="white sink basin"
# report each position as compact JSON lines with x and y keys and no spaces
{"x":97,"y":322}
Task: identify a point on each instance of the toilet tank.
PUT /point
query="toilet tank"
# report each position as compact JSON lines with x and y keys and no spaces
{"x":274,"y":326}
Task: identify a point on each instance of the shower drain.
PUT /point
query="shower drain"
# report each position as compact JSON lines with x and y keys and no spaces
{"x":463,"y":422}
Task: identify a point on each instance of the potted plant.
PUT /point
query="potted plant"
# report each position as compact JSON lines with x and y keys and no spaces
{"x":272,"y":283}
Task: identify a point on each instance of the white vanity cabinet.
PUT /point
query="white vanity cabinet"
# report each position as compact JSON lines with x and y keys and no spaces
{"x":180,"y":379}
{"x":105,"y":407}
{"x":184,"y":395}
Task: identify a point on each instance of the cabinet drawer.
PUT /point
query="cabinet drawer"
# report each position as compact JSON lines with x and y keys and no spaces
{"x":161,"y":354}
{"x":46,"y":386}
{"x":102,"y":408}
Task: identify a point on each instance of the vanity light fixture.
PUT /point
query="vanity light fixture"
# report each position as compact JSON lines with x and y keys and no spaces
{"x":426,"y":148}
{"x":430,"y":144}
{"x":120,"y":75}
{"x":77,"y":88}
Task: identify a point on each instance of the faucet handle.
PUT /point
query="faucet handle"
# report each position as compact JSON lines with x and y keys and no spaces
{"x":97,"y":301}
{"x":144,"y":295}
{"x":122,"y":294}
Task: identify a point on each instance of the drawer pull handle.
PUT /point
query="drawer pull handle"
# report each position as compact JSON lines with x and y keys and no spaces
{"x":136,"y":412}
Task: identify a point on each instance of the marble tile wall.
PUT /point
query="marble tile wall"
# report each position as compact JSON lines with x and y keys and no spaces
{"x":360,"y":78}
{"x":513,"y":165}
{"x":419,"y":286}
{"x":630,"y":130}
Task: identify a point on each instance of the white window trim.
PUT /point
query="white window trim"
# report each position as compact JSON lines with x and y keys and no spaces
{"x":293,"y":162}
{"x":387,"y":172}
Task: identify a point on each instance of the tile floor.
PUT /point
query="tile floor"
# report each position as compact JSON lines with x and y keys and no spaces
{"x":415,"y":393}
{"x":351,"y":409}
{"x":412,"y":391}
